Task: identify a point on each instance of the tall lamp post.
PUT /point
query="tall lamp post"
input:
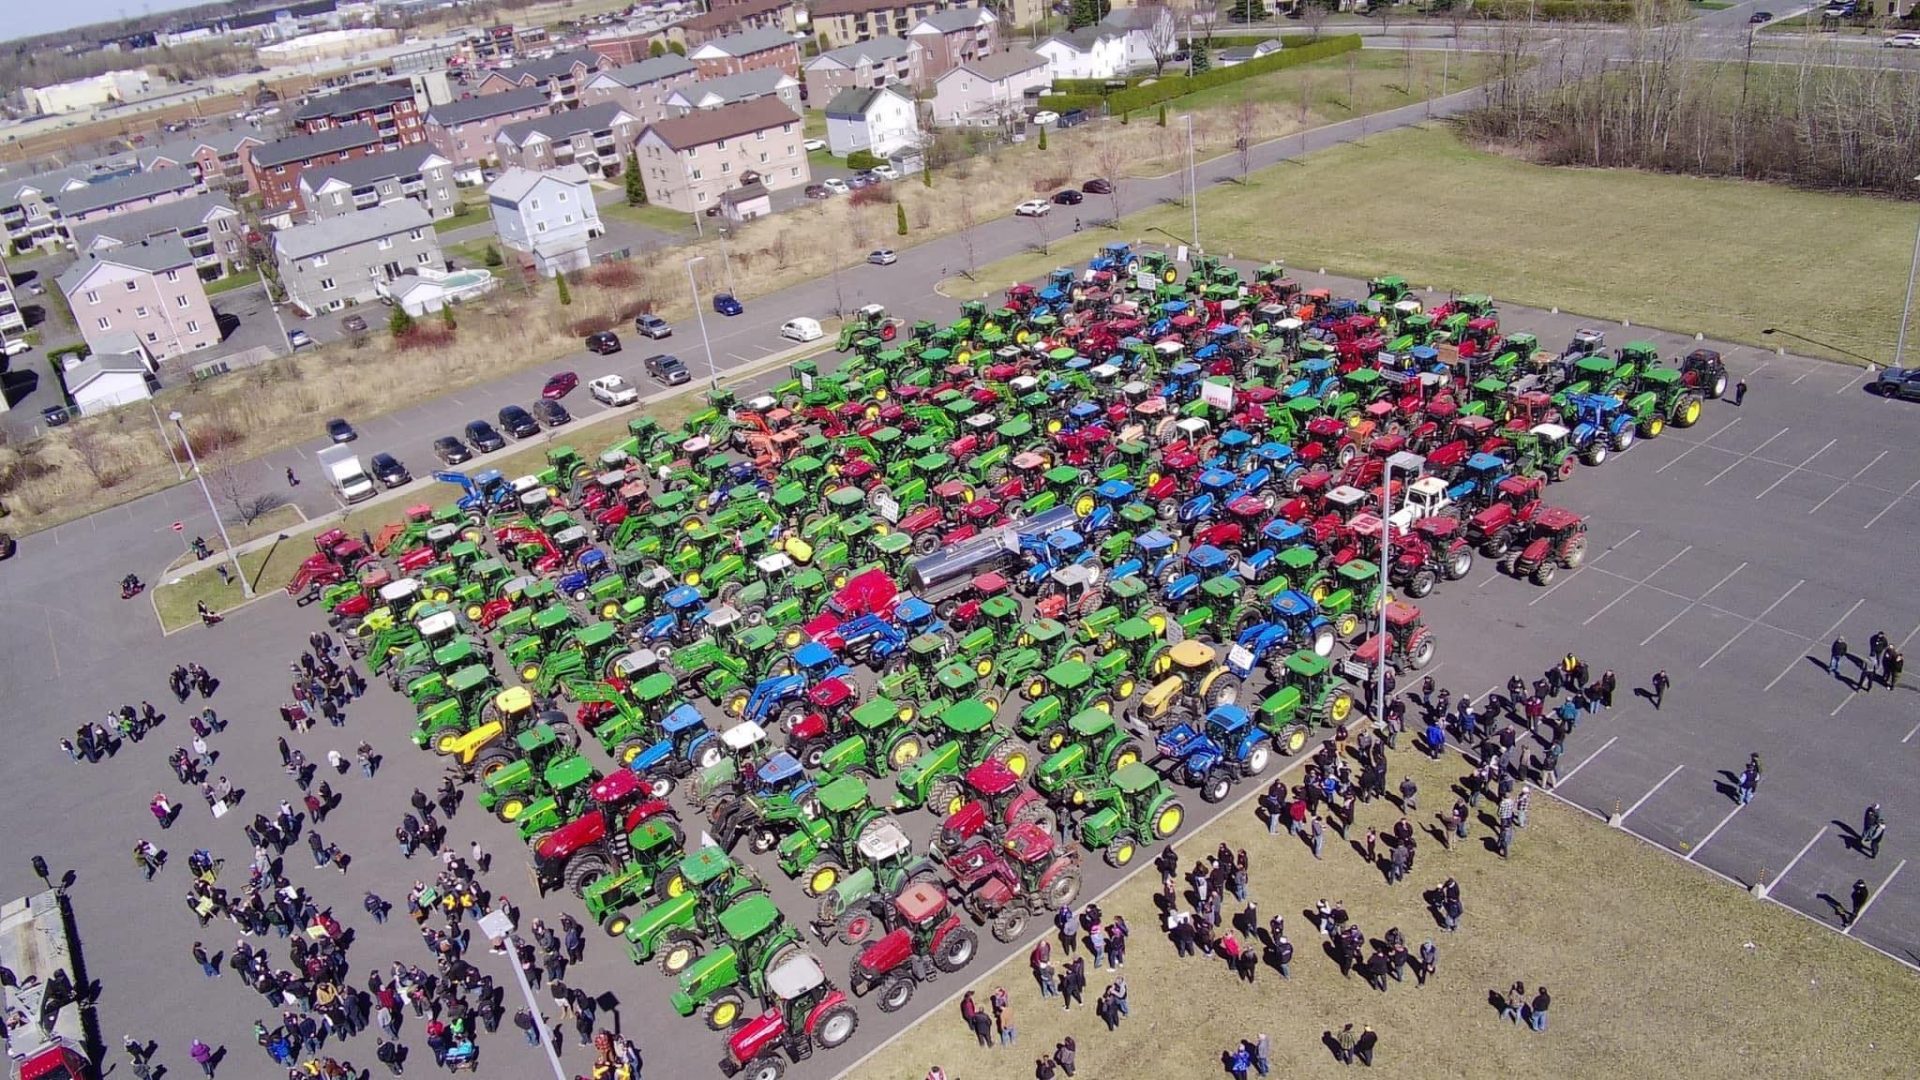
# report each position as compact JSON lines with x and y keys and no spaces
{"x":1193,"y":188}
{"x":246,"y":587}
{"x":713,"y":373}
{"x":1406,"y":461}
{"x":1906,"y":310}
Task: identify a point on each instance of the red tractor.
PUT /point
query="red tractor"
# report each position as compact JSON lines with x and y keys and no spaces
{"x":806,"y":1011}
{"x":926,"y":941}
{"x":1556,"y":537}
{"x":1023,"y":876}
{"x":583,"y":849}
{"x":337,"y":556}
{"x":870,"y":592}
{"x":997,"y":801}
{"x":545,"y":561}
{"x":1516,"y":500}
{"x":1408,"y":645}
{"x":1434,"y":550}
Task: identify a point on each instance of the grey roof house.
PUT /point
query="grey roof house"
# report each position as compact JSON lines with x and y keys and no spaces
{"x":122,"y":195}
{"x":416,"y":172}
{"x":213,"y":230}
{"x":147,"y":288}
{"x":329,"y":264}
{"x":731,"y":89}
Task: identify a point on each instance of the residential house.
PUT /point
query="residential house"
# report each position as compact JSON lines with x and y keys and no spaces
{"x":560,"y":75}
{"x":1243,"y":53}
{"x":94,"y":202}
{"x":214,"y":232}
{"x":550,"y":216}
{"x":26,"y":205}
{"x":389,"y":108}
{"x":147,"y":289}
{"x":118,"y":372}
{"x":641,"y":89}
{"x":1091,"y":52}
{"x":1025,"y":12}
{"x":417,"y":172}
{"x":596,"y":138}
{"x":879,"y":121}
{"x":845,"y":22}
{"x":12,"y":322}
{"x":880,"y":62}
{"x":989,"y":90}
{"x":462,"y":131}
{"x":747,"y":51}
{"x":329,"y":264}
{"x":1146,"y":26}
{"x":688,"y":162}
{"x":733,"y":18}
{"x":273,"y":170}
{"x":216,"y":155}
{"x":730,"y":89}
{"x":949,"y":38}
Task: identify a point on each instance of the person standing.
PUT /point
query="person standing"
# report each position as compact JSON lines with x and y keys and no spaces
{"x":1429,"y":960}
{"x":1364,"y":1045}
{"x":292,"y":480}
{"x":1748,"y":784}
{"x":202,"y":1055}
{"x":1346,"y":1041}
{"x":1238,"y":1060}
{"x":1065,"y":1054}
{"x":1858,"y":898}
{"x":1317,"y":833}
{"x":1069,"y":928}
{"x":1608,"y":684}
{"x":1876,"y":647}
{"x":1262,"y":1054}
{"x":1537,"y":1016}
{"x":1041,"y":960}
{"x":207,"y":966}
{"x":1873,"y":829}
{"x":1891,"y":665}
{"x":1837,"y":654}
{"x":1740,"y":394}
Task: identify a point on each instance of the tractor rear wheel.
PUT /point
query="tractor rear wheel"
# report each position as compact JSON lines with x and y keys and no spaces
{"x":1038,"y":813}
{"x":1420,"y":584}
{"x":822,"y":877}
{"x":956,"y":950}
{"x":894,"y":993}
{"x":1459,"y":562}
{"x":1007,"y":924}
{"x":1420,"y":649}
{"x":1498,"y":543}
{"x":1259,"y":756}
{"x":1169,"y":819}
{"x":1573,"y":551}
{"x":1064,"y":889}
{"x":854,"y":927}
{"x":490,"y":761}
{"x":1122,"y":755}
{"x":582,"y":871}
{"x":835,"y":1026}
{"x":1215,"y":786}
{"x":1623,"y":439}
{"x":946,"y":797}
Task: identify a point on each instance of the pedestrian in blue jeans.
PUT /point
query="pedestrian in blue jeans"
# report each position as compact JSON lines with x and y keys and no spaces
{"x":1537,"y":1014}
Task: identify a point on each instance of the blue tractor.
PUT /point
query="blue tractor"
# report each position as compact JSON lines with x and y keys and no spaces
{"x":1180,"y":582}
{"x":680,"y":622}
{"x":685,"y":744}
{"x":487,"y":494}
{"x":1045,"y":554}
{"x":1601,"y":424}
{"x":1292,"y":622}
{"x":1212,"y":490}
{"x":1213,"y":753}
{"x":1116,"y":258}
{"x":1153,"y":552}
{"x":1475,"y":481}
{"x":784,"y":694}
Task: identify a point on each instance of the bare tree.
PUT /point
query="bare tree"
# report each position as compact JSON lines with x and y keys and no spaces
{"x":1406,"y":58}
{"x":1157,"y":20}
{"x":1245,"y":112}
{"x":1306,"y":91}
{"x":1314,"y":13}
{"x":95,"y":456}
{"x":1111,"y":157}
{"x":248,"y":505}
{"x":967,"y":222}
{"x":1040,"y":238}
{"x":1353,"y":71}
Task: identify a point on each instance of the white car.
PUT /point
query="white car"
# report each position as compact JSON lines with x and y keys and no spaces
{"x":1046,"y":118}
{"x":1033,"y":208}
{"x":802,"y":329}
{"x":835,"y":185}
{"x":814,"y":144}
{"x":1903,"y":41}
{"x":613,"y":390}
{"x":883,"y":257}
{"x":885,"y":172}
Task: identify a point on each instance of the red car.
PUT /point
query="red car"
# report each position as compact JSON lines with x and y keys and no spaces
{"x":560,"y":385}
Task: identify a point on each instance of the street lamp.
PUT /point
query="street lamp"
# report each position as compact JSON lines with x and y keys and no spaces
{"x":1906,"y":310}
{"x":1193,"y":189}
{"x":246,"y":587}
{"x":713,"y":373}
{"x":1405,"y":461}
{"x":1771,"y":330}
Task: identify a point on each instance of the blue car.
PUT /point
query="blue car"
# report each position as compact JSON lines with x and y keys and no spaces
{"x":725,"y":304}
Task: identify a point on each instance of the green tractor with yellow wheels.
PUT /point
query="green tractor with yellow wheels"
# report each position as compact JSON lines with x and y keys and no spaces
{"x":1137,"y":807}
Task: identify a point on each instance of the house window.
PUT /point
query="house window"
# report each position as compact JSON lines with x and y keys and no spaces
{"x":702,"y":197}
{"x":132,"y":285}
{"x":151,"y":336}
{"x":225,"y":225}
{"x":326,"y":284}
{"x":720,"y":144}
{"x":760,"y":136}
{"x":539,"y":226}
{"x":92,"y":297}
{"x":696,"y":174}
{"x":424,"y":257}
{"x":192,"y":327}
{"x":319,"y":260}
{"x":385,"y":243}
{"x":794,"y":172}
{"x":568,"y":220}
{"x":104,"y":323}
{"x":786,"y":129}
{"x":173,"y":275}
{"x":140,"y":311}
{"x":414,"y":235}
{"x":563,"y":196}
{"x":534,"y":205}
{"x":789,"y":151}
{"x":180,"y":301}
{"x":726,"y":167}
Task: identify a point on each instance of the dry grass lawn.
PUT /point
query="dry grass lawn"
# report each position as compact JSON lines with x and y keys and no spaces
{"x":1656,"y":969}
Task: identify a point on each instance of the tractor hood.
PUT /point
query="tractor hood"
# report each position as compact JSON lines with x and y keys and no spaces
{"x":756,"y":1036}
{"x":887,"y":953}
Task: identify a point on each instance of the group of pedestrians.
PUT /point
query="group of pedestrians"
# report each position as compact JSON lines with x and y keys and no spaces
{"x":1883,"y":663}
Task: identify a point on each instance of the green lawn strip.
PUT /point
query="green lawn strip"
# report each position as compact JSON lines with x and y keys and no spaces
{"x":239,"y":279}
{"x":275,"y":520}
{"x":469,"y":214}
{"x":654,"y":217}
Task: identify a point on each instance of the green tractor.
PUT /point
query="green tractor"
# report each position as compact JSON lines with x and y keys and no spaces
{"x":585,"y":654}
{"x":1137,"y":807}
{"x":730,"y":654}
{"x":468,"y":691}
{"x":569,"y":784}
{"x":880,"y":739}
{"x":933,"y":779}
{"x":674,"y":931}
{"x":1089,"y":750}
{"x":654,"y":861}
{"x":508,"y":789}
{"x":886,"y":865}
{"x":1072,"y":686}
{"x":529,"y":653}
{"x":719,"y":984}
{"x":1036,"y":645}
{"x":1672,"y":400}
{"x":1307,"y":695}
{"x":821,"y":849}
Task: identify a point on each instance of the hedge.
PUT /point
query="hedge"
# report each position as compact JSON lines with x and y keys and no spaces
{"x":1093,"y":103}
{"x":1173,"y":86}
{"x":1556,"y":10}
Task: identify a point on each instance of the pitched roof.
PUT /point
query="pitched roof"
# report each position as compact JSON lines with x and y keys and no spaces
{"x":140,"y":185}
{"x":1135,"y":17}
{"x":826,"y":9}
{"x":224,"y":140}
{"x":548,"y":67}
{"x":748,"y":42}
{"x":515,"y":182}
{"x":320,"y":143}
{"x":733,"y":14}
{"x":744,"y":86}
{"x":564,"y":125}
{"x":153,"y":255}
{"x":1001,"y":65}
{"x":870,"y":52}
{"x":651,"y":70}
{"x":744,"y":193}
{"x":853,"y":102}
{"x":360,"y":227}
{"x":113,"y":358}
{"x":354,"y":99}
{"x":728,"y":121}
{"x":180,"y":215}
{"x":488,"y":106}
{"x":358,"y":172}
{"x":1084,"y":39}
{"x":955,"y":19}
{"x":47,"y":183}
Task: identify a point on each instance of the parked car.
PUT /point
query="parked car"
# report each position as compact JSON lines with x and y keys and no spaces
{"x":298,"y":339}
{"x":882,"y":257}
{"x":860,"y":180}
{"x":54,"y":415}
{"x":560,"y":385}
{"x":1897,"y":383}
{"x":1073,"y":118}
{"x":1046,"y":117}
{"x":450,"y":450}
{"x":1068,"y":197}
{"x":885,"y":172}
{"x":668,"y":368}
{"x":551,"y":412}
{"x":725,"y":304}
{"x":1033,"y":208}
{"x":604,"y":342}
{"x":613,"y":390}
{"x":482,"y":437}
{"x":835,"y":185}
{"x":810,"y":145}
{"x":15,"y":346}
{"x":1760,"y":17}
{"x":651,"y":326}
{"x":817,"y":191}
{"x":1097,"y":186}
{"x":1902,"y":41}
{"x":802,"y":329}
{"x":354,"y":324}
{"x":389,"y":470}
{"x":340,"y":431}
{"x":518,"y":422}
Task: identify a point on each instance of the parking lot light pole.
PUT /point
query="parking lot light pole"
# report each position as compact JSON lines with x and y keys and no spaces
{"x":246,"y":587}
{"x":713,"y":373}
{"x":1193,"y":189}
{"x":1405,"y":461}
{"x":1906,"y":310}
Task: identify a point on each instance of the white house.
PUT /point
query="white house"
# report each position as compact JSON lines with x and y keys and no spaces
{"x":877,"y":119}
{"x":549,"y":215}
{"x":989,"y":89}
{"x":1144,"y":26}
{"x":119,"y":372}
{"x":1091,"y":52}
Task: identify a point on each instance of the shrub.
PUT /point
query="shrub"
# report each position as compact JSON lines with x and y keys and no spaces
{"x":399,"y":322}
{"x":871,"y":195}
{"x":1174,"y":86}
{"x":1043,"y":185}
{"x":493,"y":256}
{"x":613,"y":274}
{"x":560,"y":283}
{"x":864,"y":159}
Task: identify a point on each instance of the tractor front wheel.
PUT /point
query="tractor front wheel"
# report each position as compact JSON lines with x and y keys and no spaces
{"x":821,"y":879}
{"x":615,"y":923}
{"x":1008,"y":923}
{"x":894,"y":993}
{"x":1215,"y":786}
{"x":1420,"y":584}
{"x":956,"y":950}
{"x":1120,"y":852}
{"x":722,"y":1012}
{"x":583,"y":871}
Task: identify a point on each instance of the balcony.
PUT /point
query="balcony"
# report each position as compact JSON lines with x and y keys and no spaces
{"x":413,"y":187}
{"x":365,"y":197}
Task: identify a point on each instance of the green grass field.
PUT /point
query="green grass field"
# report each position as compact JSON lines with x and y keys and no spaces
{"x":239,"y":279}
{"x":1380,"y":81}
{"x":653,"y":217}
{"x":1655,"y":968}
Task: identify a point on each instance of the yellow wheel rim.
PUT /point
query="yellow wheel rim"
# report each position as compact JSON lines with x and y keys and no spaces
{"x":954,"y":804}
{"x":1320,"y":591}
{"x":1125,"y":689}
{"x":618,"y":926}
{"x":530,"y":673}
{"x":676,"y":885}
{"x":983,"y":666}
{"x":1053,"y":427}
{"x":1342,"y":705}
{"x":1017,"y":763}
{"x":725,"y":1013}
{"x":1037,"y":688}
{"x":1123,"y":854}
{"x":1159,"y":624}
{"x":609,"y":609}
{"x":511,"y":809}
{"x":904,"y":754}
{"x":1169,"y":820}
{"x":823,"y":879}
{"x":692,"y":577}
{"x":1162,"y":664}
{"x":474,"y":612}
{"x":1692,"y":412}
{"x":1296,"y":740}
{"x":1126,"y":758}
{"x":991,"y":701}
{"x":1104,"y":706}
{"x":628,"y":755}
{"x":907,"y":713}
{"x":1054,"y":740}
{"x":447,"y":743}
{"x":1083,"y":505}
{"x":880,"y":393}
{"x":677,"y":959}
{"x":1655,"y":427}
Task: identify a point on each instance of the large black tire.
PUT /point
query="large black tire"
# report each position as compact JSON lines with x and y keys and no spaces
{"x":582,"y":870}
{"x":836,"y":1026}
{"x":956,"y":950}
{"x":893,"y":993}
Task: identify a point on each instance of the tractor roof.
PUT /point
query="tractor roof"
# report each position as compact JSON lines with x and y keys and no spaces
{"x":722,"y":617}
{"x":1228,"y":718}
{"x":569,"y":771}
{"x":439,"y":622}
{"x":1043,"y":630}
{"x":1556,"y":519}
{"x":957,"y":676}
{"x":1551,"y":432}
{"x":651,"y":687}
{"x":395,"y":592}
{"x":1298,"y":557}
{"x":1069,"y":674}
{"x":912,"y":609}
{"x":1480,"y":462}
{"x":1661,"y":375}
{"x":552,"y":617}
{"x":779,"y":768}
{"x":1428,"y":485}
{"x":991,"y":777}
{"x":967,"y":716}
{"x":1134,"y":629}
{"x":534,"y":738}
{"x":595,"y":634}
{"x":705,"y":865}
{"x":468,"y":678}
{"x":927,"y":644}
{"x":683,"y":717}
{"x":844,"y":795}
{"x":1402,"y":614}
{"x":796,"y":976}
{"x":1294,"y":604}
{"x":1217,"y":478}
{"x":1307,"y":663}
{"x":1346,"y":495}
{"x":749,"y":918}
{"x":774,"y":563}
{"x":1359,"y":570}
{"x":1134,"y":778}
{"x":743,"y":735}
{"x":1207,"y":557}
{"x":1077,"y":574}
{"x":829,"y":693}
{"x":572,"y":534}
{"x":1192,"y":653}
{"x":1115,"y":489}
{"x":813,"y":655}
{"x":457,"y":651}
{"x":876,"y":712}
{"x":920,"y":901}
{"x":1153,"y":540}
{"x":682,"y":596}
{"x":1089,"y":723}
{"x":650,"y":833}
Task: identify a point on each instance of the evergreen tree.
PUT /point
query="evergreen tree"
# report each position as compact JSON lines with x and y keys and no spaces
{"x":1202,"y":59}
{"x":636,"y":187}
{"x":399,"y":322}
{"x":446,"y":315}
{"x":493,"y":256}
{"x":676,"y":48}
{"x":1163,"y":116}
{"x":560,"y":281}
{"x":900,"y":218}
{"x":1087,"y":12}
{"x":1247,"y":11}
{"x":1043,"y":137}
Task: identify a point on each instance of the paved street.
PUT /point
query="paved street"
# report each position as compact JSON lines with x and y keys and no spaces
{"x":1729,"y":554}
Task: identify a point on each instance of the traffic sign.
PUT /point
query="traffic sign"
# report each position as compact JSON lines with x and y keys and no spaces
{"x":179,"y":526}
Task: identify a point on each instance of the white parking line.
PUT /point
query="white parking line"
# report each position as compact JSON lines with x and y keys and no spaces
{"x":1777,"y":601}
{"x":1742,"y":459}
{"x":1629,"y":590}
{"x":1796,"y":859}
{"x":1756,"y":371}
{"x":1877,"y":893}
{"x":1698,"y":445}
{"x":1611,"y":548}
{"x":1796,"y":468}
{"x":1695,"y":850}
{"x":455,"y":398}
{"x":1642,"y":800}
{"x":1864,"y":675}
{"x":1603,"y":746}
{"x":738,"y":357}
{"x":1910,"y":735}
{"x":1803,"y":375}
{"x":1845,"y":386}
{"x":1842,"y":486}
{"x":1690,"y":607}
{"x":1891,"y":505}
